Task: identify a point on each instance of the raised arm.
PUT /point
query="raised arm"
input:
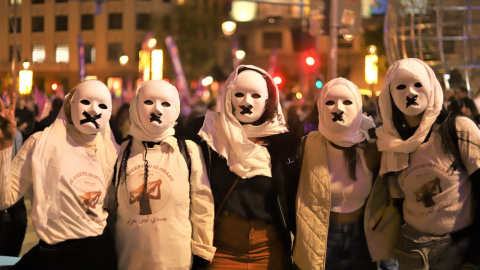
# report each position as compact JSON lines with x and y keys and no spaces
{"x":8,"y":125}
{"x":12,"y":187}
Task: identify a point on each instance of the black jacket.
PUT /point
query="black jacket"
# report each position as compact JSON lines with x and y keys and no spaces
{"x":283,"y":150}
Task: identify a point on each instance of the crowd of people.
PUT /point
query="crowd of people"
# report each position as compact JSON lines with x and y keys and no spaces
{"x":390,"y":182}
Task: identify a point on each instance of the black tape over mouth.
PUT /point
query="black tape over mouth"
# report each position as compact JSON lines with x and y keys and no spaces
{"x":412,"y":101}
{"x":246,"y":109}
{"x":156,"y":118}
{"x":338,"y":117}
{"x":90,"y":119}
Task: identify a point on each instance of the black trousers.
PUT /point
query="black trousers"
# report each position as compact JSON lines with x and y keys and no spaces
{"x":88,"y":253}
{"x":13,"y":225}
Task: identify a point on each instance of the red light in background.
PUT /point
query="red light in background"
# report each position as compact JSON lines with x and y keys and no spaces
{"x":277,"y":79}
{"x":310,"y":61}
{"x":54,"y":86}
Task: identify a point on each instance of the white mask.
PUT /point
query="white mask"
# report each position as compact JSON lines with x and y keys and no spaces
{"x":340,"y":110}
{"x":249,"y":96}
{"x":91,"y":107}
{"x":409,"y":89}
{"x":157,"y":106}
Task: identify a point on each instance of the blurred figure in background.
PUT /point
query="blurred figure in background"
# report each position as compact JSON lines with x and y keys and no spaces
{"x":120,"y":122}
{"x":13,"y":220}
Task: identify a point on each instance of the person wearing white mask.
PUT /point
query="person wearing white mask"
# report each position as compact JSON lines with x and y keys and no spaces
{"x":253,"y":170}
{"x":165,"y":207}
{"x":70,"y":165}
{"x":339,"y":162}
{"x":431,"y":161}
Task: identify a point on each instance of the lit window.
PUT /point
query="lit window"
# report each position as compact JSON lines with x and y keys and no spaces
{"x":38,"y":53}
{"x":89,"y":53}
{"x":12,"y":2}
{"x":61,"y":53}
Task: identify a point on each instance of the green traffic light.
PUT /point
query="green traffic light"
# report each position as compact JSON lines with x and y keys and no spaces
{"x":319,"y":84}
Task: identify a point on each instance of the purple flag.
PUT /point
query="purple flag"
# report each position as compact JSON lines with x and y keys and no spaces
{"x":273,"y":61}
{"x":182,"y":86}
{"x":81,"y":59}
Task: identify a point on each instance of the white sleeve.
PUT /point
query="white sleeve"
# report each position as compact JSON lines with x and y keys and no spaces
{"x":202,"y":210}
{"x":15,"y":175}
{"x":468,"y":143}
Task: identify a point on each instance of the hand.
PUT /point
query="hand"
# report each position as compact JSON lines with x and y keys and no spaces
{"x":8,"y":125}
{"x":199,"y":263}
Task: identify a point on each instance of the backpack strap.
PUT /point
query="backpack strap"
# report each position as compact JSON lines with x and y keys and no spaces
{"x":182,"y":146}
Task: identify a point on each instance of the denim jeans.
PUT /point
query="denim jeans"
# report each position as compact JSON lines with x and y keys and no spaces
{"x":347,"y":247}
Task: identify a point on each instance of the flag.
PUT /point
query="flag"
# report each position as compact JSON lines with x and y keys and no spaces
{"x":81,"y":59}
{"x":182,"y":86}
{"x":273,"y":61}
{"x":98,"y":7}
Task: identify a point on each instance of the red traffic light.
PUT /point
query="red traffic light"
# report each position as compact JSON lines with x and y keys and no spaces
{"x":310,"y":61}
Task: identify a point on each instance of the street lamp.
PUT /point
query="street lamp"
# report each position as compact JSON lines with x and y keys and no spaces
{"x":371,"y":68}
{"x":25,"y":78}
{"x":151,"y":61}
{"x":228,"y":28}
{"x":240,"y":54}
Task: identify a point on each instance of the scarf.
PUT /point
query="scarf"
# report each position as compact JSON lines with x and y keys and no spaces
{"x":395,"y":151}
{"x":226,"y":136}
{"x":358,"y":131}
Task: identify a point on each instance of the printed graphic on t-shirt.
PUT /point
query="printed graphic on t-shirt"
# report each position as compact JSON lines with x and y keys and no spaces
{"x":427,"y":191}
{"x":88,"y":188}
{"x":429,"y":185}
{"x":146,"y":199}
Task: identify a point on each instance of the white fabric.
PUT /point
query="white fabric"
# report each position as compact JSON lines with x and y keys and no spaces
{"x":347,"y":195}
{"x":438,"y":199}
{"x":249,"y":96}
{"x":355,"y":127}
{"x":141,"y":128}
{"x":224,"y":133}
{"x":181,"y":220}
{"x":48,"y":161}
{"x":93,"y":99}
{"x":394,"y":149}
{"x":70,"y":188}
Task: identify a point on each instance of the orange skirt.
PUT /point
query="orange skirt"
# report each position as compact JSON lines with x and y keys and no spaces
{"x":248,"y":244}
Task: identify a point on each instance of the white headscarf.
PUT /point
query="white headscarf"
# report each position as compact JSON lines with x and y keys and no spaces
{"x":395,"y":149}
{"x":137,"y":130}
{"x":224,"y":133}
{"x":47,"y":162}
{"x":358,"y":130}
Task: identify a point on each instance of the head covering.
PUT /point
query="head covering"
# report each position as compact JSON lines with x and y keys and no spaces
{"x":137,"y":129}
{"x":395,"y":149}
{"x":47,"y":162}
{"x":358,"y":131}
{"x":224,"y":133}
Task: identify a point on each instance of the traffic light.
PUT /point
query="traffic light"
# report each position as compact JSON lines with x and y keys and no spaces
{"x":310,"y":61}
{"x":277,"y":79}
{"x":319,"y":81}
{"x":54,"y":86}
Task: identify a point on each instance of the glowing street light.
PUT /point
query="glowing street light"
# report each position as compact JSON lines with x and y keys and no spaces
{"x":240,"y":54}
{"x":228,"y":28}
{"x":26,"y":79}
{"x":371,"y":68}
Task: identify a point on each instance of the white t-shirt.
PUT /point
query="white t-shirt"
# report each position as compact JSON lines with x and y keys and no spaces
{"x":347,"y":195}
{"x":161,"y":230}
{"x":438,"y":197}
{"x":81,"y":185}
